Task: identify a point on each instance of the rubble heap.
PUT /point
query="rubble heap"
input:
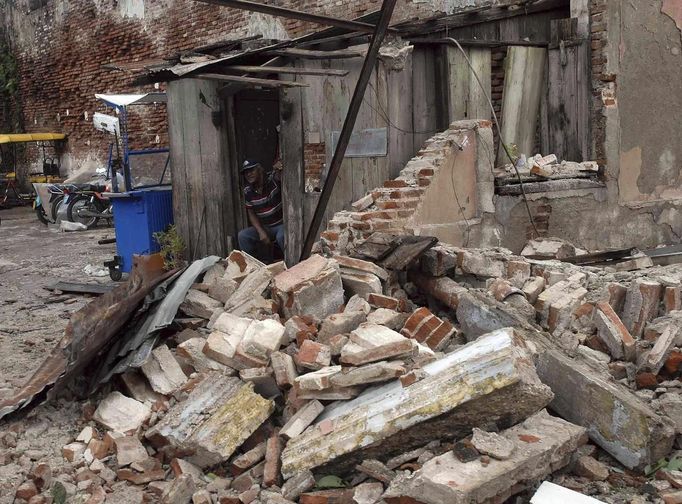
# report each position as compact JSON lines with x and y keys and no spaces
{"x":408,"y":373}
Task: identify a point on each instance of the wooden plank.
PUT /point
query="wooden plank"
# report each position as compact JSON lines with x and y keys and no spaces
{"x":236,"y":209}
{"x":194,"y":185}
{"x":408,"y":250}
{"x":287,"y":70}
{"x":425,"y":116}
{"x":481,"y":61}
{"x":175,"y":109}
{"x":311,"y":54}
{"x":580,"y":10}
{"x":291,"y":137}
{"x":81,"y":288}
{"x":524,"y":74}
{"x":399,"y":108}
{"x":250,"y":80}
{"x":457,"y":89}
{"x":568,"y":94}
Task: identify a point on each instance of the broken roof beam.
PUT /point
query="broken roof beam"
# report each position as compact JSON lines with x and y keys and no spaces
{"x":294,"y":14}
{"x":250,"y":80}
{"x":316,"y":55}
{"x":286,"y":70}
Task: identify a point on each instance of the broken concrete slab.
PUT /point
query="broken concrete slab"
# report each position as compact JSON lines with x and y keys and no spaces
{"x":550,"y":493}
{"x":296,"y":485}
{"x":318,"y":380}
{"x":371,"y":343}
{"x":654,"y":360}
{"x":356,"y":303}
{"x":301,"y":419}
{"x":138,"y":388}
{"x":180,"y":491}
{"x":239,"y":264}
{"x":330,"y":394}
{"x":543,"y":444}
{"x":119,"y":413}
{"x":476,"y":262}
{"x":222,"y":289}
{"x":192,"y":350}
{"x":129,"y":450}
{"x":260,"y":340}
{"x":340,"y":323}
{"x":388,"y":318}
{"x":199,"y":304}
{"x":615,"y":418}
{"x":250,"y":287}
{"x":312,"y":287}
{"x":263,"y":381}
{"x":218,"y":415}
{"x":479,"y":314}
{"x":222,"y":347}
{"x":369,"y":373}
{"x":490,"y":380}
{"x":163,"y":372}
{"x":353,"y":265}
{"x":360,"y":284}
{"x":492,"y":444}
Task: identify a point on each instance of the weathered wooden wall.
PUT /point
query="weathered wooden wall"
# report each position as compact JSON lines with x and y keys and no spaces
{"x":206,"y":203}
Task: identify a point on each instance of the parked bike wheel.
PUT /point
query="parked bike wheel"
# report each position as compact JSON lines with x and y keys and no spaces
{"x":81,"y":204}
{"x":42,"y":216}
{"x":56,"y":204}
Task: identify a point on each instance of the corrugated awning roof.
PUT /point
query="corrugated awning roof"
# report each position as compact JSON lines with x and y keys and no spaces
{"x":123,"y":100}
{"x":30,"y":137}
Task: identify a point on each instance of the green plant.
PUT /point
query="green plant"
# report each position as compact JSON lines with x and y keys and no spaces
{"x":172,"y":247}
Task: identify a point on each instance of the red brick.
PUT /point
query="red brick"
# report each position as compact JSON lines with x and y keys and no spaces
{"x":339,"y":496}
{"x":273,"y":464}
{"x":395,"y":183}
{"x":673,"y":364}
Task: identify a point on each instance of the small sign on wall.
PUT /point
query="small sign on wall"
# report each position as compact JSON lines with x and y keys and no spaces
{"x":371,"y":142}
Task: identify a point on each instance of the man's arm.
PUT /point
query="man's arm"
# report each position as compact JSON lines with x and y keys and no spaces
{"x":255,"y":222}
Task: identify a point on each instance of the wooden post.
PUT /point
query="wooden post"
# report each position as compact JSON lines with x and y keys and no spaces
{"x":481,"y":61}
{"x":465,"y":98}
{"x":291,"y":120}
{"x":523,"y":86}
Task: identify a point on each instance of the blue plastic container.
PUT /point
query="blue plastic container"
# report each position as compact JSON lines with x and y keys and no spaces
{"x":137,"y":216}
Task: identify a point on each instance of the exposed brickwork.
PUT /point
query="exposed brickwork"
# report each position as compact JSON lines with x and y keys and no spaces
{"x":62,"y":47}
{"x":314,"y":155}
{"x":602,"y":83}
{"x":541,"y":211}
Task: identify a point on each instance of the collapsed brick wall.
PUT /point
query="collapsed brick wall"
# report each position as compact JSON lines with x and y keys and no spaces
{"x":314,"y":158}
{"x":63,"y":45}
{"x":603,"y":84}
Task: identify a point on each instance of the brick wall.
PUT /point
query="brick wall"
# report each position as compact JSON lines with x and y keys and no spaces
{"x":315,"y":157}
{"x":62,"y":47}
{"x":603,"y":84}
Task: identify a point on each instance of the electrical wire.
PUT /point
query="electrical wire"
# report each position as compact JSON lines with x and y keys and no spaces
{"x":499,"y":131}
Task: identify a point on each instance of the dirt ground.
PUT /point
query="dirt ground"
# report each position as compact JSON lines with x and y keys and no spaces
{"x":32,"y":257}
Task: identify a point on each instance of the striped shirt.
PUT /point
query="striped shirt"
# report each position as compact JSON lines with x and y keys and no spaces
{"x":267,"y":205}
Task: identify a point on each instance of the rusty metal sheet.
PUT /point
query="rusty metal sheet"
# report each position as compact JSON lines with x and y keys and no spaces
{"x":89,"y":331}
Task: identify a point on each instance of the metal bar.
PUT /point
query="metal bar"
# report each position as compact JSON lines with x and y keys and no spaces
{"x":250,"y":80}
{"x":286,"y":70}
{"x":349,"y":123}
{"x":481,"y":43}
{"x":294,"y":14}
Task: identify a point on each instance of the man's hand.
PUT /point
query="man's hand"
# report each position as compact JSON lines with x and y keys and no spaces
{"x":264,"y":238}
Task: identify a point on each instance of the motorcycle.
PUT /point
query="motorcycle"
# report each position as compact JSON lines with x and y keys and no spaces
{"x":47,"y":211}
{"x":86,"y":204}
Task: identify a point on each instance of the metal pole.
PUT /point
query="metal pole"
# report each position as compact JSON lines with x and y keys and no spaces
{"x":349,"y":123}
{"x":294,"y":14}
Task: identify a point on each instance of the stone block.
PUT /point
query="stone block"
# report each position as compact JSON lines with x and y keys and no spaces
{"x":318,"y":380}
{"x":284,"y":369}
{"x":260,"y":340}
{"x":543,"y":444}
{"x":641,"y":305}
{"x":312,"y":287}
{"x":486,"y":381}
{"x":547,"y":248}
{"x":73,"y":451}
{"x":273,"y":464}
{"x":192,"y":350}
{"x":296,"y":485}
{"x":202,"y":497}
{"x":180,"y":467}
{"x":518,"y":273}
{"x":251,"y":287}
{"x":163,"y":372}
{"x":492,"y":444}
{"x":474,"y":262}
{"x":222,"y":289}
{"x":263,"y":380}
{"x":180,"y":491}
{"x":479,"y":314}
{"x":368,"y":493}
{"x":670,"y":405}
{"x":213,"y":274}
{"x":247,"y":460}
{"x":388,"y":318}
{"x":299,"y":329}
{"x":340,"y":323}
{"x":199,"y":304}
{"x":357,"y":303}
{"x":590,"y":468}
{"x":613,"y":333}
{"x":222,"y":347}
{"x":129,"y":450}
{"x":654,"y":360}
{"x":562,"y":311}
{"x":138,"y":388}
{"x":371,"y":343}
{"x":120,"y":413}
{"x":301,"y":419}
{"x":313,"y":355}
{"x":216,"y":418}
{"x":239,"y":264}
{"x":352,"y":265}
{"x":369,"y":373}
{"x":533,"y":287}
{"x":360,"y":284}
{"x":615,"y":418}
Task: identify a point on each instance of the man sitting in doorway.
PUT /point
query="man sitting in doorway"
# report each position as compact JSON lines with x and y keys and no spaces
{"x":263,"y":199}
